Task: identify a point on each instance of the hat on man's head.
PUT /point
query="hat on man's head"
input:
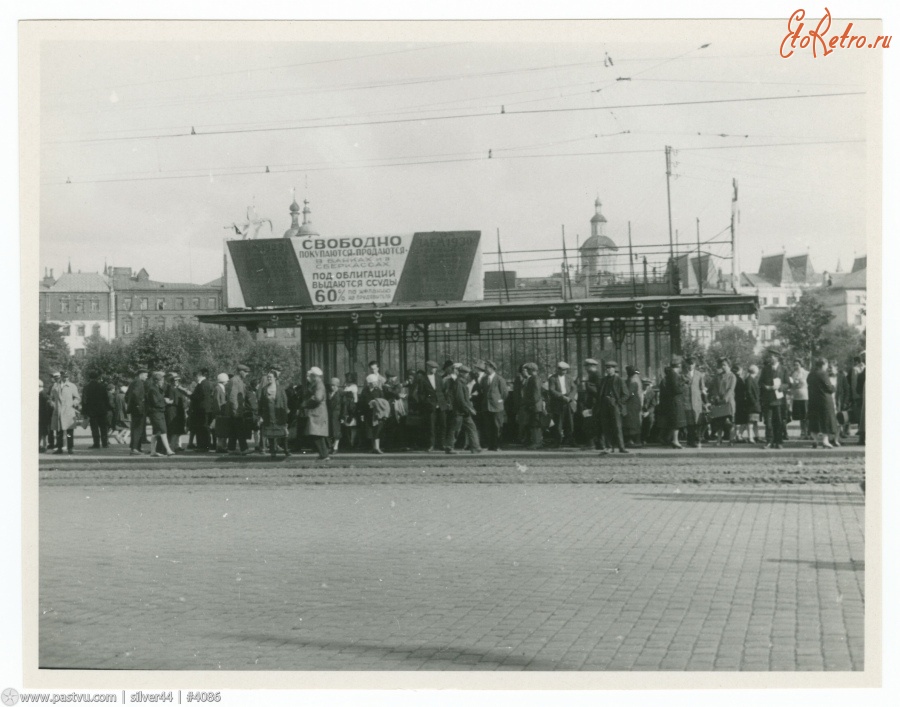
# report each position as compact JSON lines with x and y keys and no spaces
{"x":335,"y":381}
{"x":631,"y":370}
{"x":563,"y":365}
{"x":463,"y":368}
{"x":56,"y":374}
{"x":490,"y":364}
{"x":143,"y":369}
{"x":775,"y":352}
{"x":431,"y":364}
{"x":243,"y":368}
{"x":222,"y":378}
{"x":676,"y":361}
{"x":646,"y":381}
{"x":478,"y":365}
{"x":687,"y":359}
{"x":530,"y":367}
{"x":591,"y":362}
{"x":611,"y":364}
{"x":315,"y":370}
{"x":448,"y":363}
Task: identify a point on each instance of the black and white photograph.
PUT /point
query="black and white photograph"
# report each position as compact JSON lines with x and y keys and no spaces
{"x":442,"y":351}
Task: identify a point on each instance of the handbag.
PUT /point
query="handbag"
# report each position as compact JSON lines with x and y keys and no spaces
{"x":717,"y":410}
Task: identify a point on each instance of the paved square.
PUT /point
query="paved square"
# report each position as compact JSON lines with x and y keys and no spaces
{"x":286,"y":576}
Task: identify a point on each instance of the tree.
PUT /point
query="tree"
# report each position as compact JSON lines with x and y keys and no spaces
{"x":842,"y":343}
{"x":735,"y":344}
{"x":53,"y":351}
{"x":802,"y":326}
{"x":692,"y":347}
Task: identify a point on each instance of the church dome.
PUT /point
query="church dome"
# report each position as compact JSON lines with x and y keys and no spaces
{"x":307,"y":228}
{"x":294,"y":230}
{"x":598,"y":242}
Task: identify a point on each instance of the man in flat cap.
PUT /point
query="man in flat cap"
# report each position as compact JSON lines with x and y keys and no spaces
{"x":563,"y":403}
{"x":428,"y":401}
{"x":610,"y":407}
{"x":236,"y":400}
{"x":493,"y":395}
{"x":533,"y":402}
{"x":135,"y":406}
{"x":462,"y":413}
{"x":694,"y":399}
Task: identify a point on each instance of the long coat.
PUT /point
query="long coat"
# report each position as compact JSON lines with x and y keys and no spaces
{"x":634,"y":404}
{"x":95,"y":402}
{"x":45,"y":413}
{"x":135,"y":398}
{"x":176,"y":413}
{"x":741,"y":412}
{"x":316,"y":410}
{"x":335,"y":405}
{"x":722,"y":392}
{"x":273,"y":411}
{"x":671,"y":400}
{"x":694,"y":396}
{"x":65,"y":399}
{"x":751,"y":395}
{"x":767,"y":397}
{"x":156,"y":406}
{"x":820,"y":410}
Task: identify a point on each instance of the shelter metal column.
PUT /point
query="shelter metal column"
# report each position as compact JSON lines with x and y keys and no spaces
{"x":426,"y":338}
{"x":647,"y":347}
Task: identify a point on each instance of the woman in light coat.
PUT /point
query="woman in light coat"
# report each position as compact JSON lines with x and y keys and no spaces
{"x":722,"y":402}
{"x":316,"y":407}
{"x":273,"y":410}
{"x":631,"y":424}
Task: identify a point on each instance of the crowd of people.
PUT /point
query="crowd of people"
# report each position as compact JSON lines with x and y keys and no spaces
{"x":456,"y":407}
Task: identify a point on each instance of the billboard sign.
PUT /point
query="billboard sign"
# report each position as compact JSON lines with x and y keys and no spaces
{"x":354,"y":270}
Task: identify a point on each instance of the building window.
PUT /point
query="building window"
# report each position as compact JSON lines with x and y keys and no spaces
{"x":291,"y":333}
{"x":858,"y":299}
{"x":765,"y":301}
{"x":160,"y":322}
{"x":762,"y":335}
{"x":179,"y":303}
{"x":95,"y":305}
{"x":858,"y":319}
{"x":144,"y":303}
{"x":126,"y":304}
{"x":211,"y":303}
{"x":160,"y":303}
{"x":79,"y":330}
{"x":195,"y":303}
{"x":66,"y":330}
{"x":126,"y":326}
{"x":63,"y":304}
{"x":776,"y":301}
{"x":145,"y":323}
{"x":95,"y":330}
{"x":79,"y":305}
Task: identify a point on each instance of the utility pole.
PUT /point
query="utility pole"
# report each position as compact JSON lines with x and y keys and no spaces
{"x":672,"y":265}
{"x":735,"y":269}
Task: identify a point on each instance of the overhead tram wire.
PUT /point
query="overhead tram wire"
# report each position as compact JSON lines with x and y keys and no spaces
{"x":245,"y":172}
{"x":483,"y":114}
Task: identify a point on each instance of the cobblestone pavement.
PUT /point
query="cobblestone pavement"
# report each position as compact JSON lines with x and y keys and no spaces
{"x":280,"y":575}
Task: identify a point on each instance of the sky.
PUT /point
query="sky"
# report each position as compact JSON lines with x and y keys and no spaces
{"x":394,"y":136}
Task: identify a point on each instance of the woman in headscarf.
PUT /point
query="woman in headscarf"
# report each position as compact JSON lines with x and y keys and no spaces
{"x":156,"y":413}
{"x":820,"y":408}
{"x":317,"y":412}
{"x":273,"y":410}
{"x":631,"y":423}
{"x":223,"y":418}
{"x":374,"y":410}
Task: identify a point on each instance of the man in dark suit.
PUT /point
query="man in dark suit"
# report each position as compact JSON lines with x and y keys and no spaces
{"x":563,"y":402}
{"x":771,"y":396}
{"x":462,"y":412}
{"x":493,"y":396}
{"x":428,"y":400}
{"x":609,"y":407}
{"x":135,"y":404}
{"x":203,"y":409}
{"x":533,"y":404}
{"x":95,"y":405}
